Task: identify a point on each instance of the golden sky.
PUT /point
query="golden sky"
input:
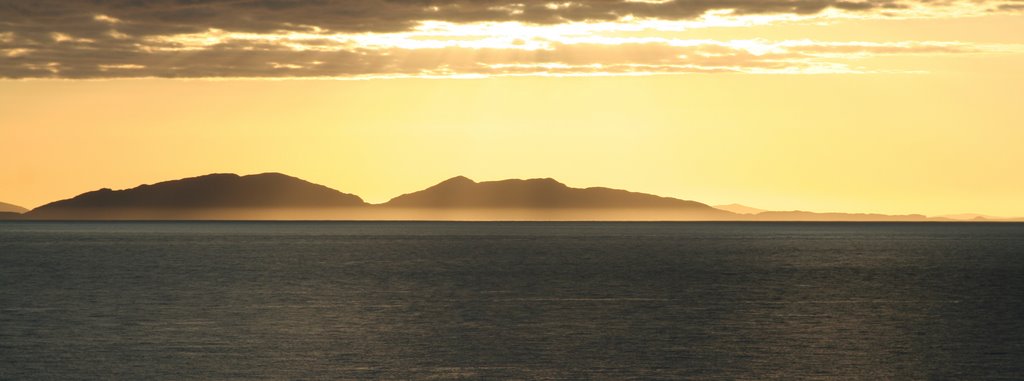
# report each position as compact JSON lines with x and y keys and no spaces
{"x":871,"y":106}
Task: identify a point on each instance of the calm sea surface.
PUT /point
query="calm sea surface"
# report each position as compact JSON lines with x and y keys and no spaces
{"x":401,"y":300}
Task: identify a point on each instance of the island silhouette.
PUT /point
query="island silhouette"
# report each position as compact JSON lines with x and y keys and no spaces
{"x":214,"y":196}
{"x":276,"y":196}
{"x":10,"y":211}
{"x":11,"y":208}
{"x":540,"y":199}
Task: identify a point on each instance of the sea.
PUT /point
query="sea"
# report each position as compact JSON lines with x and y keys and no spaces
{"x":511,"y":300}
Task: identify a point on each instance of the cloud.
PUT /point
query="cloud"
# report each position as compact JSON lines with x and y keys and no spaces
{"x":353,"y":38}
{"x":161,"y":17}
{"x":199,"y":57}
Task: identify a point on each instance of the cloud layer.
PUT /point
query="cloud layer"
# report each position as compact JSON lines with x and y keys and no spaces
{"x":353,"y":38}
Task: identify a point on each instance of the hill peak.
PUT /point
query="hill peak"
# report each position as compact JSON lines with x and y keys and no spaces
{"x":457,"y":180}
{"x":544,"y":180}
{"x":536,"y":194}
{"x":208,"y":192}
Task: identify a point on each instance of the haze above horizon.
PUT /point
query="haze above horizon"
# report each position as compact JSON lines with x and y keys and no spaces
{"x":892,"y":107}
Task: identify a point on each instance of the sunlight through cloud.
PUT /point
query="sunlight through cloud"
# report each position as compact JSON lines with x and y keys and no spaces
{"x":457,"y":39}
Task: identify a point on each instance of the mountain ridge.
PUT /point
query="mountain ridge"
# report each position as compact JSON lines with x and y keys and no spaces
{"x":11,"y":208}
{"x":461,"y":191}
{"x":543,"y":199}
{"x":270,"y":196}
{"x":226,"y":191}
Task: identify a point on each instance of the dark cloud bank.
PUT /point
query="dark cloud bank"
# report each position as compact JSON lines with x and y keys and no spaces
{"x":116,"y":38}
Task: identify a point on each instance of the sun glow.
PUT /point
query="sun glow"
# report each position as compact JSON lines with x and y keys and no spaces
{"x":437,"y":49}
{"x":482,"y":35}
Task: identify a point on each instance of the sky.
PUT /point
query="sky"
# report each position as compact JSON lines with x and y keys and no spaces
{"x":850,"y":106}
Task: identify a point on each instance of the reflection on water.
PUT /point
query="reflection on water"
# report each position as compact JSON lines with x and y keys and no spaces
{"x":401,"y":300}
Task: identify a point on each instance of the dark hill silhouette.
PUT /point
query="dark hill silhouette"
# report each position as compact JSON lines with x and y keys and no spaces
{"x":10,"y":216}
{"x":11,"y":208}
{"x":546,"y":199}
{"x":216,"y":194}
{"x":461,"y":192}
{"x":271,"y":196}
